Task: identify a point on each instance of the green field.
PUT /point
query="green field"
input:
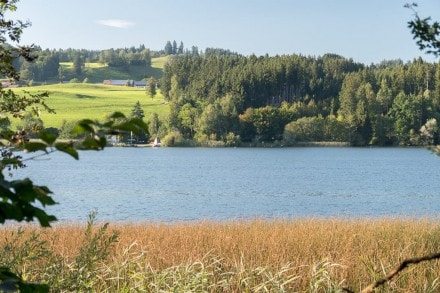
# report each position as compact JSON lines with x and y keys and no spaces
{"x":94,"y":101}
{"x":97,"y":72}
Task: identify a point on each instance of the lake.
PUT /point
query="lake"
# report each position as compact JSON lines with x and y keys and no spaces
{"x":185,"y":184}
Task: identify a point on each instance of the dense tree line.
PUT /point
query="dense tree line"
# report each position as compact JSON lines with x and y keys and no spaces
{"x":171,"y":48}
{"x":47,"y":65}
{"x":294,"y":98}
{"x":126,"y":57}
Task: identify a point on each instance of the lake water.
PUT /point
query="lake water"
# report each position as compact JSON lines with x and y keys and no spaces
{"x":184,"y":184}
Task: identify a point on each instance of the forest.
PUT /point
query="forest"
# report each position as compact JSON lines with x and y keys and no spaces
{"x":46,"y":66}
{"x":289,"y":99}
{"x":219,"y":97}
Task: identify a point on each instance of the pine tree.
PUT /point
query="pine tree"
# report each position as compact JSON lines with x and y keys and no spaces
{"x":137,"y":111}
{"x":168,"y":48}
{"x":180,"y":50}
{"x":174,"y":47}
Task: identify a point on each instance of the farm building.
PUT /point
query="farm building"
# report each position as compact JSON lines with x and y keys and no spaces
{"x":125,"y":82}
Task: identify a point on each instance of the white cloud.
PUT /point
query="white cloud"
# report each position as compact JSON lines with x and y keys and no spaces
{"x":118,"y":23}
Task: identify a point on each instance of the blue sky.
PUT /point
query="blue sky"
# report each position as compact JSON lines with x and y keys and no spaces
{"x":368,"y":31}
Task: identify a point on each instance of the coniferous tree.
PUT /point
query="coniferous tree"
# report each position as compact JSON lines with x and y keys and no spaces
{"x":180,"y":50}
{"x":78,"y":64}
{"x":154,"y":125}
{"x":137,"y":111}
{"x":174,"y":47}
{"x":168,"y":50}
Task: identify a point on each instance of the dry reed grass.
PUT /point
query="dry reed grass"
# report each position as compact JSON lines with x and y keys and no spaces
{"x":351,"y":253}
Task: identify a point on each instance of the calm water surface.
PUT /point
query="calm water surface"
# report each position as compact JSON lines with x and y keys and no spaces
{"x":174,"y":184}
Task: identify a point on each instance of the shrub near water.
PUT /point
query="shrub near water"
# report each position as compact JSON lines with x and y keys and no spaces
{"x":260,"y":255}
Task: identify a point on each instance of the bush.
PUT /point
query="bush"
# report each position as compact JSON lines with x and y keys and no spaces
{"x":232,"y":139}
{"x":66,"y":130}
{"x":173,"y":139}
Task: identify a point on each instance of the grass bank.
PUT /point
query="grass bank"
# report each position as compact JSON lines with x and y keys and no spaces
{"x":304,"y":255}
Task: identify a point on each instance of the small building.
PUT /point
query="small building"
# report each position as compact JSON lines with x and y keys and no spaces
{"x":125,"y":82}
{"x":140,"y":84}
{"x":117,"y":82}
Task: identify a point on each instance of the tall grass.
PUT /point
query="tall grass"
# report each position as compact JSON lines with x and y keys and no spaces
{"x":302,"y":255}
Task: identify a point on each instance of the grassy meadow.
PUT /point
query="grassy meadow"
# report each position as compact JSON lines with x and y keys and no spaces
{"x":93,"y":100}
{"x":97,"y":72}
{"x":75,"y":101}
{"x":302,"y":255}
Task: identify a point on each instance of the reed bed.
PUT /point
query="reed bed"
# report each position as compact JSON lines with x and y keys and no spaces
{"x":300,"y":255}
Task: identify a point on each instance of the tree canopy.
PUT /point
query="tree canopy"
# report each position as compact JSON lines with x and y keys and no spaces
{"x":256,"y":97}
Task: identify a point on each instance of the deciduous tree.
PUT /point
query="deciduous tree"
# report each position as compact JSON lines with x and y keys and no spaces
{"x":151,"y":86}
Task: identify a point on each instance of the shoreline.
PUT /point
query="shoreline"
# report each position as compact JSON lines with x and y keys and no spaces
{"x":224,"y":222}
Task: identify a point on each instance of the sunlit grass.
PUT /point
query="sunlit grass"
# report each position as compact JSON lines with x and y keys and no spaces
{"x":159,"y":62}
{"x":69,"y":65}
{"x":97,"y":72}
{"x":304,"y":255}
{"x":66,"y":65}
{"x":94,"y":101}
{"x":94,"y":65}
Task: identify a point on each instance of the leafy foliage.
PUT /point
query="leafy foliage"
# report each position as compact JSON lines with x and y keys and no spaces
{"x":11,"y":282}
{"x":24,"y":253}
{"x":21,"y":199}
{"x":426,"y":34}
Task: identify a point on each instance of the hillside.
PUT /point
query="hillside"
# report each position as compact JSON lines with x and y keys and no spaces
{"x":96,"y":72}
{"x":94,"y":101}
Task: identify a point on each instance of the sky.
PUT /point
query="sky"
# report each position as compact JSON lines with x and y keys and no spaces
{"x":368,"y":31}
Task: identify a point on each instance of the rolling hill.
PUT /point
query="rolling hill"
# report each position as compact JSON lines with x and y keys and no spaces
{"x":93,"y":100}
{"x":75,"y":101}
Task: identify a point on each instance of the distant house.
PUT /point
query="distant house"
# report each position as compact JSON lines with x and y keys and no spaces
{"x":140,"y":83}
{"x":125,"y":82}
{"x":118,"y":82}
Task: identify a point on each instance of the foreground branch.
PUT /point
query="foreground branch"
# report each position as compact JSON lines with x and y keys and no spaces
{"x":397,"y":270}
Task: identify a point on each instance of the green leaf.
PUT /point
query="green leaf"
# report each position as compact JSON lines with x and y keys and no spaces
{"x":10,"y":161}
{"x":7,"y":134}
{"x":93,"y":143}
{"x":44,"y":218}
{"x":139,"y":123}
{"x":108,"y":124}
{"x":84,"y":126}
{"x":67,"y":148}
{"x":11,"y":282}
{"x":47,"y":137}
{"x":116,"y":115}
{"x":35,"y":146}
{"x":135,"y":125}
